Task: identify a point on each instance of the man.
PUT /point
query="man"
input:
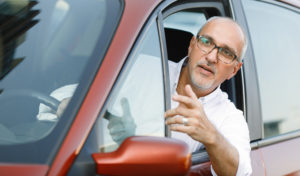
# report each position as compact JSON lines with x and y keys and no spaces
{"x":214,"y":55}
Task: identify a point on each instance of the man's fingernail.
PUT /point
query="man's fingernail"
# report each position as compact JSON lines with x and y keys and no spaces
{"x":167,"y":122}
{"x":189,"y":86}
{"x":172,"y":127}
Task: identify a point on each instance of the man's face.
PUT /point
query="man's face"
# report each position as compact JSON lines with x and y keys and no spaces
{"x":206,"y":72}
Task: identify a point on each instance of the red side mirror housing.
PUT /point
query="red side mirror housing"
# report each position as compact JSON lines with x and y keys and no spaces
{"x":145,"y":155}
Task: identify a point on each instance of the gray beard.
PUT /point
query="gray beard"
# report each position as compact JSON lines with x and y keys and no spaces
{"x":198,"y":86}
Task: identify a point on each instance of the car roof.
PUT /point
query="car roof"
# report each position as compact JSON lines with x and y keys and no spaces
{"x":295,"y":3}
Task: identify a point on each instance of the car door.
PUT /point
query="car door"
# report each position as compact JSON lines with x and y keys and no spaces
{"x":142,"y":88}
{"x":274,"y":33}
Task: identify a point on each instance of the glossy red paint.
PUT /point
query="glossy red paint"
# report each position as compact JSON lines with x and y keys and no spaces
{"x":277,"y":155}
{"x":201,"y":170}
{"x":258,"y":167}
{"x":146,"y":155}
{"x":134,"y":15}
{"x":294,"y":174}
{"x":23,"y":169}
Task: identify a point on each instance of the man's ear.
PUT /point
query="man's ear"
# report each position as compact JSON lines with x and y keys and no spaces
{"x":236,"y":68}
{"x":192,"y":42}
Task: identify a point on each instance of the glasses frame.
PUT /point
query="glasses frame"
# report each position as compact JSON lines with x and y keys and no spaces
{"x":218,"y":49}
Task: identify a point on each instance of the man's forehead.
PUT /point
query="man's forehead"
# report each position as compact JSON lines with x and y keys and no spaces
{"x":222,"y":25}
{"x":224,"y":32}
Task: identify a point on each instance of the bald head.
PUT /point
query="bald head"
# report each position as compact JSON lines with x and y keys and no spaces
{"x":229,"y":28}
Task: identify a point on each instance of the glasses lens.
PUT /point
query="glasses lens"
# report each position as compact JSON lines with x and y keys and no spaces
{"x":205,"y":41}
{"x":226,"y":55}
{"x":205,"y":44}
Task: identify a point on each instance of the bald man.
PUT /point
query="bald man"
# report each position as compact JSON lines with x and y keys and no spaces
{"x":201,"y":113}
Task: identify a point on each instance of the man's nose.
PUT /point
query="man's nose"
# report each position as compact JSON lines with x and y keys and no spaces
{"x":212,"y":56}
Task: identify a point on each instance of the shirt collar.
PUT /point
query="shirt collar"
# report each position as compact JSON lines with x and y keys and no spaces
{"x":177,"y":73}
{"x":210,"y":96}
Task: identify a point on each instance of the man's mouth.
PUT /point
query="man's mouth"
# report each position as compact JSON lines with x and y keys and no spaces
{"x":206,"y":69}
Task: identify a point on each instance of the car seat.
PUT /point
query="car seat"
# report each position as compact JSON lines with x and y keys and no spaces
{"x":177,"y":43}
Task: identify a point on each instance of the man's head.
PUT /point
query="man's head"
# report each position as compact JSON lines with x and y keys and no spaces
{"x":215,"y":54}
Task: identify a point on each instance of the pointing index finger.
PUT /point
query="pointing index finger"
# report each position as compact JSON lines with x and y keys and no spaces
{"x":185,"y":100}
{"x":189,"y":91}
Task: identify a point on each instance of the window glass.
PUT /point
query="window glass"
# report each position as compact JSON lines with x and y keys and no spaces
{"x":179,"y":28}
{"x":188,"y":20}
{"x":136,"y":105}
{"x":45,"y":45}
{"x":275,"y":36}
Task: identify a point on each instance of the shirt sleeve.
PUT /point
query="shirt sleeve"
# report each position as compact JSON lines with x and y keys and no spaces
{"x":235,"y":130}
{"x":45,"y":112}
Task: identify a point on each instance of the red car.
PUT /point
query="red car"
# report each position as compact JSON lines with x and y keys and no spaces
{"x":111,"y":57}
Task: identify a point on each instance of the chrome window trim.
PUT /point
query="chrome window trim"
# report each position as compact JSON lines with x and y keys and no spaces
{"x":276,"y":139}
{"x":165,"y":68}
{"x":231,"y":9}
{"x":193,"y":5}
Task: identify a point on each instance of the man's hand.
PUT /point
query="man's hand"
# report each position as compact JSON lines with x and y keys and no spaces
{"x":197,"y":125}
{"x":62,"y":106}
{"x":121,"y":127}
{"x":223,"y":156}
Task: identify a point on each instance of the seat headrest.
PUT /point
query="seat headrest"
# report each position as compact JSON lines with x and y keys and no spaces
{"x":177,"y":43}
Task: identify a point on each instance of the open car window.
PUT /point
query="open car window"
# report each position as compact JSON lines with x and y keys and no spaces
{"x":179,"y":29}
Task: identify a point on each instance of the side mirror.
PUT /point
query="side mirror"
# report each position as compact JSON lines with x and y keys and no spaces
{"x":145,"y":155}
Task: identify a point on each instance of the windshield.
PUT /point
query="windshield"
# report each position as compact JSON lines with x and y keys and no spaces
{"x":45,"y":45}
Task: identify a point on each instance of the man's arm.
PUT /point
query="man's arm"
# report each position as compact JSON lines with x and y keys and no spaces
{"x":224,"y":157}
{"x":62,"y":94}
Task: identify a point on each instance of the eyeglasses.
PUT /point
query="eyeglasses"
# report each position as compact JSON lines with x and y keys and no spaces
{"x":207,"y":45}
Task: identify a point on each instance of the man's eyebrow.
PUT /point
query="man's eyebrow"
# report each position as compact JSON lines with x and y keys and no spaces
{"x":222,"y":45}
{"x":230,"y":49}
{"x":209,"y":37}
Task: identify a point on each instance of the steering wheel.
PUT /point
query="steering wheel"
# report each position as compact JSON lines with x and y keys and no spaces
{"x":43,"y":98}
{"x":8,"y":135}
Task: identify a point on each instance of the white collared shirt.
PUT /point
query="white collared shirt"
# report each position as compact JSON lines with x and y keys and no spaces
{"x":223,"y":114}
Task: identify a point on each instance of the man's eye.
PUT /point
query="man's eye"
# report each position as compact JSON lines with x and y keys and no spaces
{"x":227,"y":52}
{"x":205,"y":41}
